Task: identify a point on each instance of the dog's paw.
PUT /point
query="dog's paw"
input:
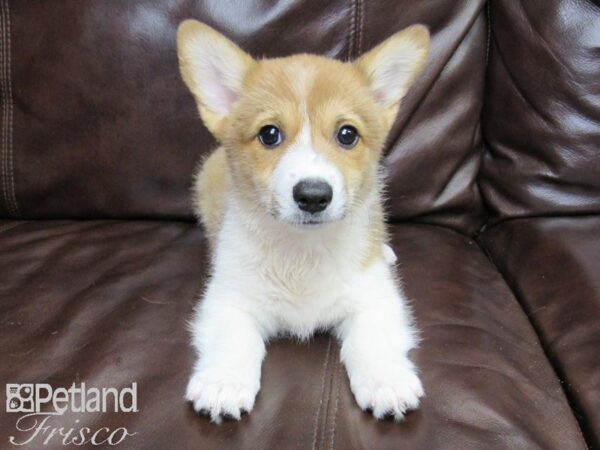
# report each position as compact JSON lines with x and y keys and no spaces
{"x":392,"y":390}
{"x":221,"y":395}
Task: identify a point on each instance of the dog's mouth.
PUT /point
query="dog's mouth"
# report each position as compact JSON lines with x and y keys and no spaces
{"x":303,"y":222}
{"x":312,"y":223}
{"x":308,"y":222}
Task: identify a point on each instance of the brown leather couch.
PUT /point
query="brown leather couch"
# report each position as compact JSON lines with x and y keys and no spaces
{"x":494,"y":201}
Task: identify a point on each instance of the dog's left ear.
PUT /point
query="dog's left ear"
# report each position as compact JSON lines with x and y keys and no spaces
{"x":213,"y":68}
{"x":392,"y":66}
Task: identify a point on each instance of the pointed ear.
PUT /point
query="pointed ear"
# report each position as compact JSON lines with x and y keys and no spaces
{"x":213,"y":68}
{"x":393,"y":65}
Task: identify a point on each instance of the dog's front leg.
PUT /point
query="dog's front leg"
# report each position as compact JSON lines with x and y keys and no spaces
{"x":376,"y":338}
{"x":226,"y":377}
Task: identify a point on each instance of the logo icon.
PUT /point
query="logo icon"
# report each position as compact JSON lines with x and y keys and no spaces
{"x":19,"y":398}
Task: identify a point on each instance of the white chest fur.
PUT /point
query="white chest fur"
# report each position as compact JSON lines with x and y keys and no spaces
{"x":270,"y":280}
{"x":293,"y":280}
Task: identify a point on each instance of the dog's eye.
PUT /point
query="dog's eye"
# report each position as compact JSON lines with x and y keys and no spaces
{"x":270,"y":136}
{"x":347,"y":136}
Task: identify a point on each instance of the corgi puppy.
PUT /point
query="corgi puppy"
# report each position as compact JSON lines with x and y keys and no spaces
{"x":291,"y":203}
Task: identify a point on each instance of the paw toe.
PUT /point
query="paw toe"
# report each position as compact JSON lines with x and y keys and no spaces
{"x":220,"y":400}
{"x":388,"y":394}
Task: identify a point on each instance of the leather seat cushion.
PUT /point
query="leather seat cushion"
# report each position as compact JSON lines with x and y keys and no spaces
{"x":106,"y":303}
{"x":553,"y":265}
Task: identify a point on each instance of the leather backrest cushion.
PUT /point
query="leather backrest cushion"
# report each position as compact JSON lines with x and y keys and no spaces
{"x":101,"y":124}
{"x":541,"y":119}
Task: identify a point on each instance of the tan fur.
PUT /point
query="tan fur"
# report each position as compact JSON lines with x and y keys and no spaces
{"x":377,"y":236}
{"x":287,"y":92}
{"x":211,"y":185}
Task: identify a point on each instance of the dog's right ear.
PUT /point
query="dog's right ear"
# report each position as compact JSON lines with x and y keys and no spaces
{"x":213,"y":68}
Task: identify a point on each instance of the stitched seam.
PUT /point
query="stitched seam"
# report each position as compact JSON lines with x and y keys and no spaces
{"x":327,"y":396}
{"x":9,"y":166}
{"x":360,"y":27}
{"x":7,"y":110}
{"x":322,"y":392}
{"x":352,"y":30}
{"x":336,"y":402}
{"x":4,"y":112}
{"x":489,"y":32}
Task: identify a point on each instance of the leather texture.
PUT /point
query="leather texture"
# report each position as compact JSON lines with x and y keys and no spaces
{"x":541,"y":127}
{"x":502,"y":130}
{"x":542,"y":109}
{"x":103,"y":126}
{"x":106,"y":302}
{"x":553,"y":265}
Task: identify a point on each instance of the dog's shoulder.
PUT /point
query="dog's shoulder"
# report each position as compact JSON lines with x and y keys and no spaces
{"x":210,"y":190}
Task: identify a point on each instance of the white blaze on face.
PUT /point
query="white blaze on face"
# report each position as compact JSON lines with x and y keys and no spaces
{"x":303,"y":162}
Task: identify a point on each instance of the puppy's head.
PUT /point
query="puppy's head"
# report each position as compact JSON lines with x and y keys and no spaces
{"x":303,"y":134}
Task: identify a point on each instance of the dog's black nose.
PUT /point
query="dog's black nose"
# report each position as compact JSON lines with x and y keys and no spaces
{"x":313,"y":195}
